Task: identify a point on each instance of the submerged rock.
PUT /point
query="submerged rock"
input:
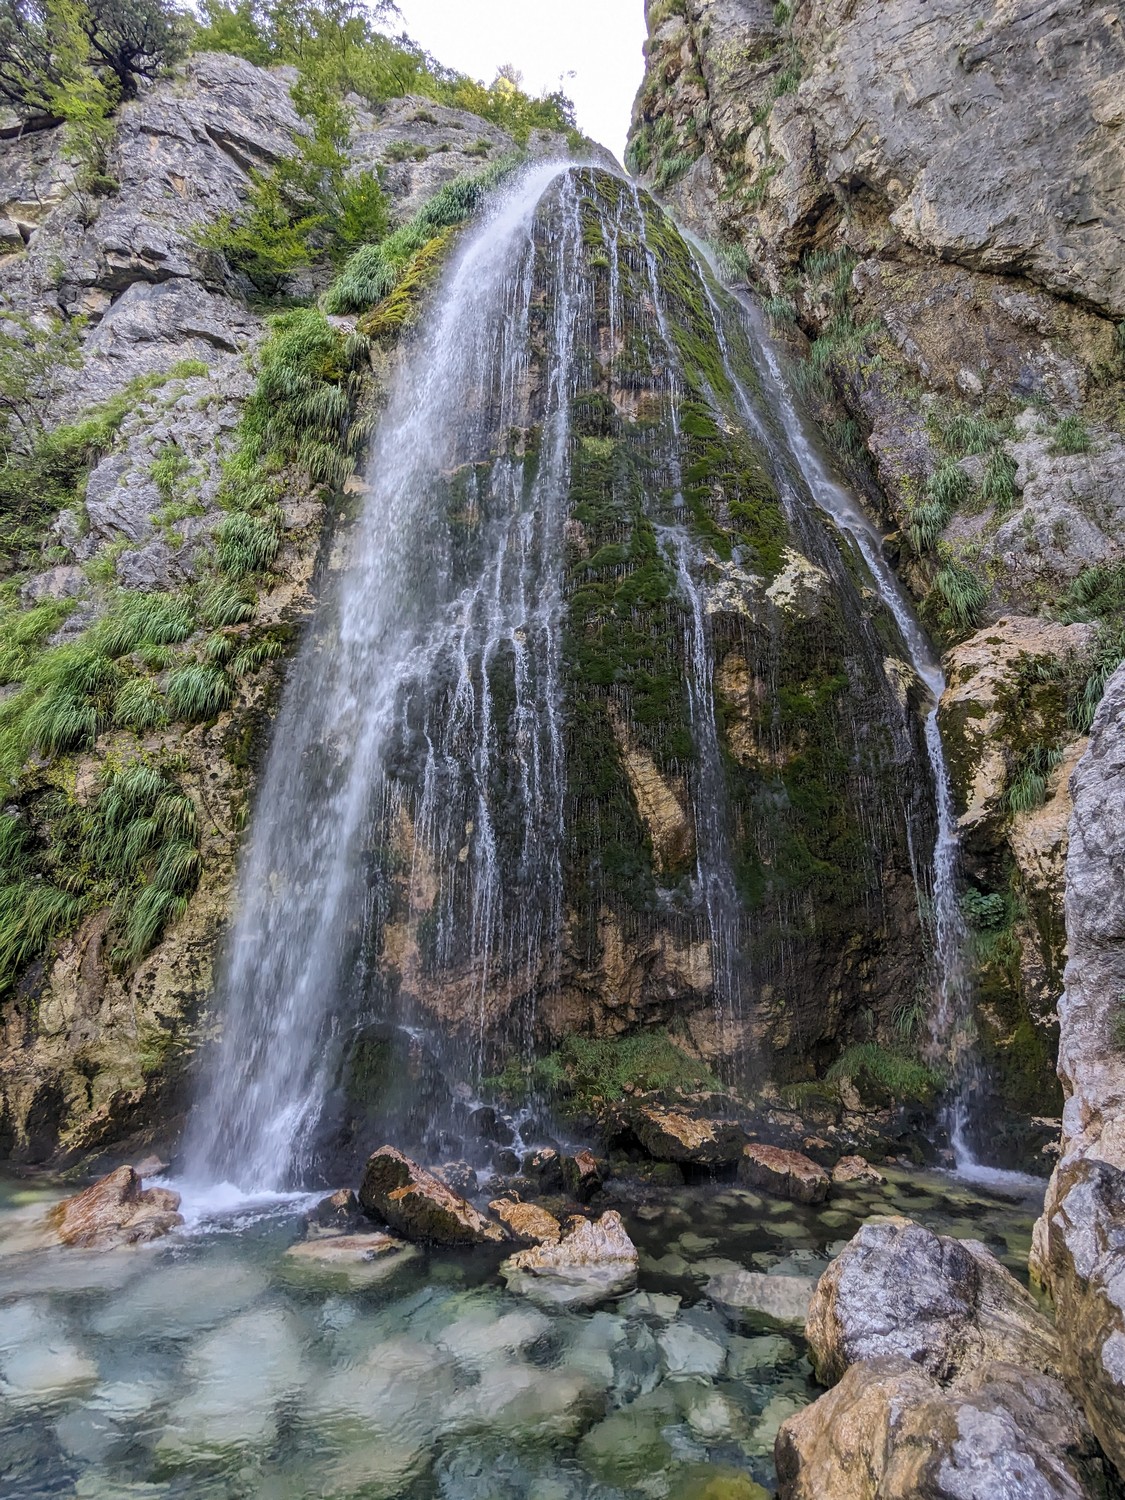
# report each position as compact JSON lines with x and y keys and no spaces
{"x":526,"y":1221}
{"x":759,"y":1298}
{"x":948,"y":1305}
{"x":890,"y":1430}
{"x":671,"y":1135}
{"x":594,"y":1260}
{"x":788,"y":1174}
{"x":855,"y":1169}
{"x":356,"y":1259}
{"x":115,"y":1210}
{"x":419,"y":1205}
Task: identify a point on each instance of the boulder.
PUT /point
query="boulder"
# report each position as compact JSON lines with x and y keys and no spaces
{"x":526,"y":1222}
{"x":787,"y":1174}
{"x":855,"y":1169}
{"x":458,"y":1175}
{"x":582,"y":1176}
{"x":947,"y":1305}
{"x":398,"y":1192}
{"x":757,"y":1298}
{"x":889,"y":1430}
{"x":543,"y":1167}
{"x":671,"y":1135}
{"x":593,"y":1261}
{"x":115,"y":1210}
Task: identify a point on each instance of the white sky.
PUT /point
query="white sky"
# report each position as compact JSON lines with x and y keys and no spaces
{"x":599,"y":41}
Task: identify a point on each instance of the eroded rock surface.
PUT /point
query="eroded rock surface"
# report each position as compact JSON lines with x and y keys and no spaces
{"x":115,"y":1210}
{"x":789,"y":1174}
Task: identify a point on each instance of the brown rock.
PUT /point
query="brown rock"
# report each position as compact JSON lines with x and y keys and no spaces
{"x":527,"y":1221}
{"x":787,"y":1174}
{"x":855,"y":1169}
{"x":671,"y":1135}
{"x":354,"y":1259}
{"x":889,"y":1431}
{"x":404,"y":1195}
{"x":337,"y":1214}
{"x":115,"y":1210}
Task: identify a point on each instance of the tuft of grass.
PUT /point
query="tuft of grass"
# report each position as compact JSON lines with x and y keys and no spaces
{"x":32,"y":914}
{"x":399,"y":309}
{"x":961,"y":593}
{"x":198,"y":691}
{"x":141,"y":620}
{"x":247,"y":544}
{"x":903,"y":1077}
{"x":925,"y":522}
{"x":585,"y":1072}
{"x":998,"y":487}
{"x":1070,"y":437}
{"x":225,"y":604}
{"x":137,"y":705}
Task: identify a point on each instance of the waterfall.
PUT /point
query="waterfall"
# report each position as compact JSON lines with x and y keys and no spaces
{"x":576,"y":499}
{"x":403,"y":616}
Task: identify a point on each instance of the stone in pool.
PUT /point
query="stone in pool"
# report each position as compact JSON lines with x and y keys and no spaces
{"x":115,"y":1210}
{"x":746,"y":1357}
{"x":710,"y":1482}
{"x":398,"y":1192}
{"x":351,"y":1259}
{"x":756,"y":1297}
{"x":672,"y":1136}
{"x":629,"y":1445}
{"x":694,"y":1344}
{"x":526,"y":1222}
{"x":787,"y":1174}
{"x":594,"y":1261}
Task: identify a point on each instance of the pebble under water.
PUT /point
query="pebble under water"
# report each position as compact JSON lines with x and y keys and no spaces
{"x":208,"y":1365}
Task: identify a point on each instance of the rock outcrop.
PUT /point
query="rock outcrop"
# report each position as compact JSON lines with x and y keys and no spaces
{"x":116,"y":1210}
{"x":398,"y":1192}
{"x":1079,"y":1250}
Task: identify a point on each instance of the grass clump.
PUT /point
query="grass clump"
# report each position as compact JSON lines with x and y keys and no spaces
{"x":957,"y":597}
{"x":198,"y":691}
{"x":904,"y":1078}
{"x":375,"y":270}
{"x":247,"y":544}
{"x":585,"y":1072}
{"x":1069,"y":437}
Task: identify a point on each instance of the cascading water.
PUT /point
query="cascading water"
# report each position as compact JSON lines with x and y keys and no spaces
{"x":407,"y":613}
{"x":563,"y":727}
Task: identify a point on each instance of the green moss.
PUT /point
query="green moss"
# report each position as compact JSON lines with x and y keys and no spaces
{"x":904,"y":1078}
{"x":583,"y":1072}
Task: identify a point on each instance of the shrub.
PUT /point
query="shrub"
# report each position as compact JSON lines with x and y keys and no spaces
{"x":987,"y":911}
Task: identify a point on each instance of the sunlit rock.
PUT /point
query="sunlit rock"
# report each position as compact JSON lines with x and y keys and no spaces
{"x":946,"y":1304}
{"x":890,"y":1430}
{"x":788,"y":1174}
{"x":398,"y":1192}
{"x":526,"y":1222}
{"x":800,"y":587}
{"x":673,"y":1135}
{"x":115,"y":1210}
{"x":854,"y":1169}
{"x":594,"y":1260}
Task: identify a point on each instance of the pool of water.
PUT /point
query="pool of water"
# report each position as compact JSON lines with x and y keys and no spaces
{"x":211,"y":1365}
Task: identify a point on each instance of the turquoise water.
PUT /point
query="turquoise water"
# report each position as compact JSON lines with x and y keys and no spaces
{"x":210,"y":1365}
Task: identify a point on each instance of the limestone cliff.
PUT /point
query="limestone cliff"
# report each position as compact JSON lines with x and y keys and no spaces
{"x":930,"y":200}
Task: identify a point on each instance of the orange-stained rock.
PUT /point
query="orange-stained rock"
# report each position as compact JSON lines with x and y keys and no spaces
{"x":594,"y":1260}
{"x":527,"y":1221}
{"x":787,"y":1174}
{"x":419,"y":1205}
{"x":115,"y":1210}
{"x":672,"y":1135}
{"x":855,"y":1169}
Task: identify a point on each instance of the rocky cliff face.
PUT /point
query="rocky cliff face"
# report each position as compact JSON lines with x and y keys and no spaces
{"x":929,"y":199}
{"x":101,"y":1012}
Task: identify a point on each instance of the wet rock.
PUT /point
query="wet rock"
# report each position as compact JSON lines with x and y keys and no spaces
{"x":694,"y":1344}
{"x":484,"y":1335}
{"x":543,"y":1167}
{"x":487,"y":1124}
{"x":339,"y":1213}
{"x":630,"y":1445}
{"x":673,"y":1136}
{"x":350,"y":1259}
{"x":38,"y":1359}
{"x":756,"y":1297}
{"x":115,"y":1210}
{"x":526,"y":1402}
{"x":594,"y":1260}
{"x":526,"y":1222}
{"x":582,"y":1176}
{"x":398,"y":1192}
{"x":788,"y":1174}
{"x":854,"y":1169}
{"x":458,"y":1175}
{"x":890,"y":1430}
{"x":713,"y":1482}
{"x":756,"y":1357}
{"x":505,"y":1162}
{"x":945,"y":1304}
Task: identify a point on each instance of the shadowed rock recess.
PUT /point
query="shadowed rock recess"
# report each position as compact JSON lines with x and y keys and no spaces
{"x":587,"y":706}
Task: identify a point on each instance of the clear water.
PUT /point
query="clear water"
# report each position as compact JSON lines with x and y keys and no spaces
{"x":204,"y":1366}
